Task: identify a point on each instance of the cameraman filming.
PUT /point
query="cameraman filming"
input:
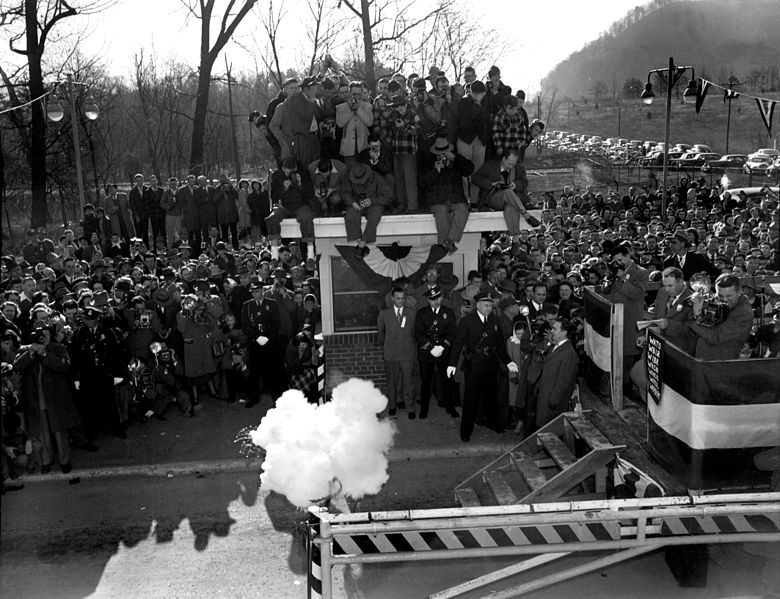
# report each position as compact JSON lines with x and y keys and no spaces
{"x":723,"y":340}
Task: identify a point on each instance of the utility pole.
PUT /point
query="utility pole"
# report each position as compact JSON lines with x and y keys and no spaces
{"x":74,"y":125}
{"x":731,"y":83}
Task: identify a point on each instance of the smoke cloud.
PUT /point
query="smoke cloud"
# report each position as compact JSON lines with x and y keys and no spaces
{"x":725,"y":182}
{"x":307,"y":445}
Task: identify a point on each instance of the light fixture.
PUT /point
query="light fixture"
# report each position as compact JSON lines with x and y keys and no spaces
{"x":91,"y":110}
{"x":689,"y":97}
{"x":648,"y":95}
{"x":54,"y":110}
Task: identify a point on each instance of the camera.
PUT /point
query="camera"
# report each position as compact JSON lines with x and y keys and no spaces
{"x":144,"y":320}
{"x":323,"y":189}
{"x":420,"y":95}
{"x":713,"y":312}
{"x":38,"y":336}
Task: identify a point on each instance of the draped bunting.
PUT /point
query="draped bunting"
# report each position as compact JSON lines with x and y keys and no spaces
{"x":766,"y":106}
{"x":377,"y":268}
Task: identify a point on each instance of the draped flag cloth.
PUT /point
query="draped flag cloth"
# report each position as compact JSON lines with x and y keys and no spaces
{"x":707,"y":418}
{"x":766,"y":106}
{"x":383,"y":264}
{"x":598,"y":314}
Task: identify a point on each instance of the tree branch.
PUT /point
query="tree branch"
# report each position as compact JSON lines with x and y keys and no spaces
{"x":352,"y":8}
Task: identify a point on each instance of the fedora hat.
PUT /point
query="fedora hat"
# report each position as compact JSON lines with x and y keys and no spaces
{"x":442,"y":146}
{"x":359,"y":173}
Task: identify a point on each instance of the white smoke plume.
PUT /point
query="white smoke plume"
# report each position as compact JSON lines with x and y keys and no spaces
{"x":308,"y":445}
{"x":725,"y":182}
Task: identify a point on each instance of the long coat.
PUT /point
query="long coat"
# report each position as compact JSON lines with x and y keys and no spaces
{"x":60,"y":409}
{"x":434,"y":329}
{"x":198,"y":357}
{"x":556,"y":385}
{"x":631,"y":293}
{"x":227,"y":205}
{"x":118,"y":211}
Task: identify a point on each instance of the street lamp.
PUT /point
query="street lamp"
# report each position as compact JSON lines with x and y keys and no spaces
{"x":55,"y":113}
{"x":670,"y":76}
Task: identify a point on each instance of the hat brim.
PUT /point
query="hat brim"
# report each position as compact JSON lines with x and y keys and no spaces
{"x":446,"y":150}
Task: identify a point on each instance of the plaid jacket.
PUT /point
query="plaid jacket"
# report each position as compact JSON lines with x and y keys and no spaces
{"x":506,"y":132}
{"x":404,"y":138}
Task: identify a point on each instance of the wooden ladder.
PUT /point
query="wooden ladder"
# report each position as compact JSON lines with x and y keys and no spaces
{"x":565,"y":458}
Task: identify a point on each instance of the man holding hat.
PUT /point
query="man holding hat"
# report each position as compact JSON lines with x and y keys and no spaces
{"x":260,"y":322}
{"x":434,"y":332}
{"x":300,"y":122}
{"x":479,"y":337}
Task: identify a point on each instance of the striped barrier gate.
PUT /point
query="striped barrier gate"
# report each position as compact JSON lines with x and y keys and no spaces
{"x":546,"y":530}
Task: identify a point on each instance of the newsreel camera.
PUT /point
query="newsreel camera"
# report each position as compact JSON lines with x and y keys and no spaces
{"x":714,"y":311}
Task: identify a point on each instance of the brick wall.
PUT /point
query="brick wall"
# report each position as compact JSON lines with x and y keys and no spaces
{"x":354,"y":355}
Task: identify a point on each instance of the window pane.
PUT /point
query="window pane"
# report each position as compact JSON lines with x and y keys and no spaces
{"x":344,"y":278}
{"x":355,"y":311}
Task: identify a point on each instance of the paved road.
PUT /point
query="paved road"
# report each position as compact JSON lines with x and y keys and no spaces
{"x":220,"y":535}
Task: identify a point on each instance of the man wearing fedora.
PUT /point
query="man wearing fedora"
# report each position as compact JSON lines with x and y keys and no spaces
{"x":479,"y":337}
{"x":291,"y":190}
{"x":474,"y":129}
{"x":688,"y":262}
{"x":300,"y":122}
{"x":443,"y":195}
{"x":434,"y":332}
{"x":260,"y":322}
{"x":365,"y":194}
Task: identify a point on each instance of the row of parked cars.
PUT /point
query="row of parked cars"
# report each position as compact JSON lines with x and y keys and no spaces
{"x":651,"y":153}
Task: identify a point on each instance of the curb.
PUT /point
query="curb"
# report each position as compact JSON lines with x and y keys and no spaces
{"x":172,"y":469}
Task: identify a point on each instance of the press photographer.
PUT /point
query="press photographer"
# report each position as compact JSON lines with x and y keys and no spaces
{"x":721,"y":340}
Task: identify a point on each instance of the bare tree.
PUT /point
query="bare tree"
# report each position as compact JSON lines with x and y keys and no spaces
{"x":385,"y":22}
{"x":322,"y":31}
{"x":271,"y":20}
{"x":35,"y":21}
{"x":228,"y":23}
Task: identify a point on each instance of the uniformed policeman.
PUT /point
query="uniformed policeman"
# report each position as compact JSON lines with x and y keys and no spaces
{"x":434,"y":332}
{"x":260,"y":322}
{"x":479,"y":337}
{"x":97,"y":369}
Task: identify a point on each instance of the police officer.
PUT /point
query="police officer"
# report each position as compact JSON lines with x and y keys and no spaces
{"x":260,"y":322}
{"x":479,"y":337}
{"x":97,"y":369}
{"x":434,"y":332}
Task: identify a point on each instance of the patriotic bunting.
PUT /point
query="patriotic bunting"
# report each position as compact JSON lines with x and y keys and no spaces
{"x":766,"y":106}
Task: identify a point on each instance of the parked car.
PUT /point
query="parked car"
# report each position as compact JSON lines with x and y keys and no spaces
{"x":756,"y":193}
{"x":697,"y":160}
{"x":773,"y":170}
{"x":757,"y":163}
{"x":701,"y":148}
{"x":771,"y":152}
{"x":725,"y":162}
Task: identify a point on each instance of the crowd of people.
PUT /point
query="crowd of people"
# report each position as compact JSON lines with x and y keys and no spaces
{"x":167,"y":295}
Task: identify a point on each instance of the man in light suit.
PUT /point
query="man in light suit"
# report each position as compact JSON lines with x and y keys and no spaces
{"x":479,"y":335}
{"x":559,"y":375}
{"x":673,"y":308}
{"x":395,"y":326}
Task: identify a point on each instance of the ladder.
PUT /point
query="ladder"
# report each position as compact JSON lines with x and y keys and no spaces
{"x":565,"y":459}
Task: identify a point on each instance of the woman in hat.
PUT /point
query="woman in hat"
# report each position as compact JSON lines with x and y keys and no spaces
{"x":259,"y":208}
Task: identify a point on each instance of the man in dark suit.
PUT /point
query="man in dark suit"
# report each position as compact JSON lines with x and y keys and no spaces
{"x":674,"y":310}
{"x":689,"y":262}
{"x":559,"y":374}
{"x":395,"y":326}
{"x":260,"y":323}
{"x":434,"y":331}
{"x":138,"y":207}
{"x":537,"y":303}
{"x":479,"y":334}
{"x":725,"y":340}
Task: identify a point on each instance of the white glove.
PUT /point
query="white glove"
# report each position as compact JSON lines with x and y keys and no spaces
{"x":261,"y":340}
{"x":450,"y":371}
{"x":118,"y":379}
{"x":512,"y":367}
{"x":437,"y":350}
{"x":77,"y":384}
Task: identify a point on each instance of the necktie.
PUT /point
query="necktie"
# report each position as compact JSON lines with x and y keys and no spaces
{"x":669,"y":303}
{"x":398,"y":313}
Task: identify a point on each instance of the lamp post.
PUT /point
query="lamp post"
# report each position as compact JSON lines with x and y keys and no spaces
{"x":55,"y":113}
{"x":670,"y":76}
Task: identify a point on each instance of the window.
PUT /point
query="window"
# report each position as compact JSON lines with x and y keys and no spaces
{"x":355,"y":306}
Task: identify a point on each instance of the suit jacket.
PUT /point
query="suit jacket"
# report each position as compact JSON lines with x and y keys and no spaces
{"x":137,"y":204}
{"x":556,"y":385}
{"x":693,"y":263}
{"x":679,"y":314}
{"x":723,"y":342}
{"x":533,"y":313}
{"x":483,"y":344}
{"x":434,"y":329}
{"x":631,"y":293}
{"x":397,"y":338}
